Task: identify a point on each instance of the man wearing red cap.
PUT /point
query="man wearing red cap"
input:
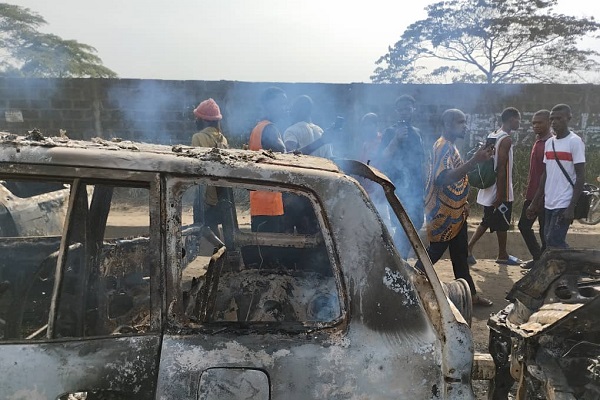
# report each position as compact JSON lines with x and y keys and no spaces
{"x":208,"y":122}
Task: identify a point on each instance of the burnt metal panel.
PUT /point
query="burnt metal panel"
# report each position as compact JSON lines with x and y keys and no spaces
{"x":46,"y":370}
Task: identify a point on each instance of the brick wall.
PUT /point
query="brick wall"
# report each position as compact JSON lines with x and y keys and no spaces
{"x":161,"y":111}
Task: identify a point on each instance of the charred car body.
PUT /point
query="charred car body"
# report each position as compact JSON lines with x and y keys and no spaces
{"x":121,"y":304}
{"x":548,"y":339}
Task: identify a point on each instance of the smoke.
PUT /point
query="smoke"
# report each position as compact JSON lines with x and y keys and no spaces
{"x":149,"y":110}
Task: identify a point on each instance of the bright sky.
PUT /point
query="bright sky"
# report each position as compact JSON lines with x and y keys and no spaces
{"x":336,"y":41}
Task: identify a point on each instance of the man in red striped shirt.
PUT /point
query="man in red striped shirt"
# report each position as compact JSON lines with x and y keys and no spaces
{"x":563,"y":178}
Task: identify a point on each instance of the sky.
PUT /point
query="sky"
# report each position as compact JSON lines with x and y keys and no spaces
{"x":334,"y":41}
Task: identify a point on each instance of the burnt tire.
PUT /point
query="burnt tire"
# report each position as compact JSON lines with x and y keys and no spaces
{"x":459,"y":293}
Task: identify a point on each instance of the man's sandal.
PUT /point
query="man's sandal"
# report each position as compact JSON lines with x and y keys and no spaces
{"x":512,"y":260}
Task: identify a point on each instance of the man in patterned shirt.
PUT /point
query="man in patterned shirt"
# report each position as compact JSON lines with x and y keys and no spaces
{"x":446,"y":205}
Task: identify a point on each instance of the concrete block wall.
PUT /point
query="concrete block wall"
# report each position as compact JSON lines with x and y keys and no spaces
{"x":161,"y":111}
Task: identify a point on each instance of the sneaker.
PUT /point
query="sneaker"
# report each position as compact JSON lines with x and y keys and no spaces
{"x":471,"y":260}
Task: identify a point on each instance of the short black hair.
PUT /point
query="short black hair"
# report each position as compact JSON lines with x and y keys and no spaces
{"x":405,"y":98}
{"x":301,"y":108}
{"x":562,"y":107}
{"x":544,"y":113}
{"x":270,"y":93}
{"x":369,"y":118}
{"x":508,"y":113}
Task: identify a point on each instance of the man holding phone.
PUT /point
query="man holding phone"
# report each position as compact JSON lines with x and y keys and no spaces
{"x":401,"y":156}
{"x":497,"y":199}
{"x":446,"y":200}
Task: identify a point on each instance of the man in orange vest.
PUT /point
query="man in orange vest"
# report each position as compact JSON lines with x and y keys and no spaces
{"x":266,"y":208}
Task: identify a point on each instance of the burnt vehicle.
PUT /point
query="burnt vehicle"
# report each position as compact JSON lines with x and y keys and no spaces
{"x":32,"y":208}
{"x":124,"y":303}
{"x":547,"y":341}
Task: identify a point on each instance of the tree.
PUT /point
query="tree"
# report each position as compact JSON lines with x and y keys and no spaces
{"x":490,"y":41}
{"x":26,"y":52}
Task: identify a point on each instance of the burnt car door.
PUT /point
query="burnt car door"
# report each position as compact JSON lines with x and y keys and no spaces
{"x":80,"y":312}
{"x":310,"y":306}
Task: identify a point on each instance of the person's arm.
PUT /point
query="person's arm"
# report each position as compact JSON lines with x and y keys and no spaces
{"x":502,"y":171}
{"x":569,"y":214}
{"x":536,"y":204}
{"x":396,"y":143}
{"x":291,"y":146}
{"x":450,"y":176}
{"x":327,"y":137}
{"x":314,"y":146}
{"x":271,"y":139}
{"x":290,"y":139}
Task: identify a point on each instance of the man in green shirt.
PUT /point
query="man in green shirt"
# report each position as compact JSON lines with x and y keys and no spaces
{"x":208,"y":122}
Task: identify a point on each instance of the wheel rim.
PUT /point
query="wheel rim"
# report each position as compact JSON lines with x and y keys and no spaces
{"x":459,"y":293}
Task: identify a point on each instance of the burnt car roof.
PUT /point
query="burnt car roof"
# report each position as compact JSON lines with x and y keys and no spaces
{"x":139,"y":156}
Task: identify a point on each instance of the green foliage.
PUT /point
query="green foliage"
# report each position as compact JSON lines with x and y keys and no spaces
{"x":490,"y":41}
{"x":26,"y":52}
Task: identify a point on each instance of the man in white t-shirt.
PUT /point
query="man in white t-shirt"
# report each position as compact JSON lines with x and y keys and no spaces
{"x":563,"y":178}
{"x":497,"y":200}
{"x":299,"y":216}
{"x":303,"y":131}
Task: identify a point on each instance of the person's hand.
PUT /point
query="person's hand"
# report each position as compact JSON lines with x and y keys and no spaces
{"x":532,"y":211}
{"x":401,"y":131}
{"x":496,"y":203}
{"x":567,"y":216}
{"x":332,"y":133}
{"x":484,"y":153}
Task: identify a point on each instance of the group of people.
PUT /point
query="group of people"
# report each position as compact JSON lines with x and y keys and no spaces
{"x":432,"y":184}
{"x":303,"y":136}
{"x":555,"y":182}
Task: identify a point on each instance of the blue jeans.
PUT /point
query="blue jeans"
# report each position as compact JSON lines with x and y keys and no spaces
{"x":555,"y":230}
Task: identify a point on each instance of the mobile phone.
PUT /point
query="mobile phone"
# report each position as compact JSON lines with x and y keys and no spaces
{"x":339,"y":123}
{"x":489,"y":142}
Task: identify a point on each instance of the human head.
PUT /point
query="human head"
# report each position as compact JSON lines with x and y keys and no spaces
{"x":541,"y":122}
{"x":560,"y":115}
{"x":274,"y":103}
{"x":208,"y":110}
{"x":511,"y":119}
{"x":301,"y":109}
{"x":369,"y":124}
{"x":405,"y":106}
{"x":207,"y":113}
{"x":455,"y":124}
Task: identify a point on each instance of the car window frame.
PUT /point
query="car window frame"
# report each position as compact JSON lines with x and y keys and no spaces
{"x":97,"y":176}
{"x":175,"y":186}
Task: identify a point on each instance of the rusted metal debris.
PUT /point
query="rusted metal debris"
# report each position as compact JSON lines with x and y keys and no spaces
{"x":548,"y":338}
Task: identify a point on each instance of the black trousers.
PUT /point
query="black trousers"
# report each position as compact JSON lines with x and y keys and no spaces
{"x":525,"y":226}
{"x":458,"y":247}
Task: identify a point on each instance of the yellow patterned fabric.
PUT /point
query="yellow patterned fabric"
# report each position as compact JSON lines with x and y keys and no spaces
{"x":445,"y":205}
